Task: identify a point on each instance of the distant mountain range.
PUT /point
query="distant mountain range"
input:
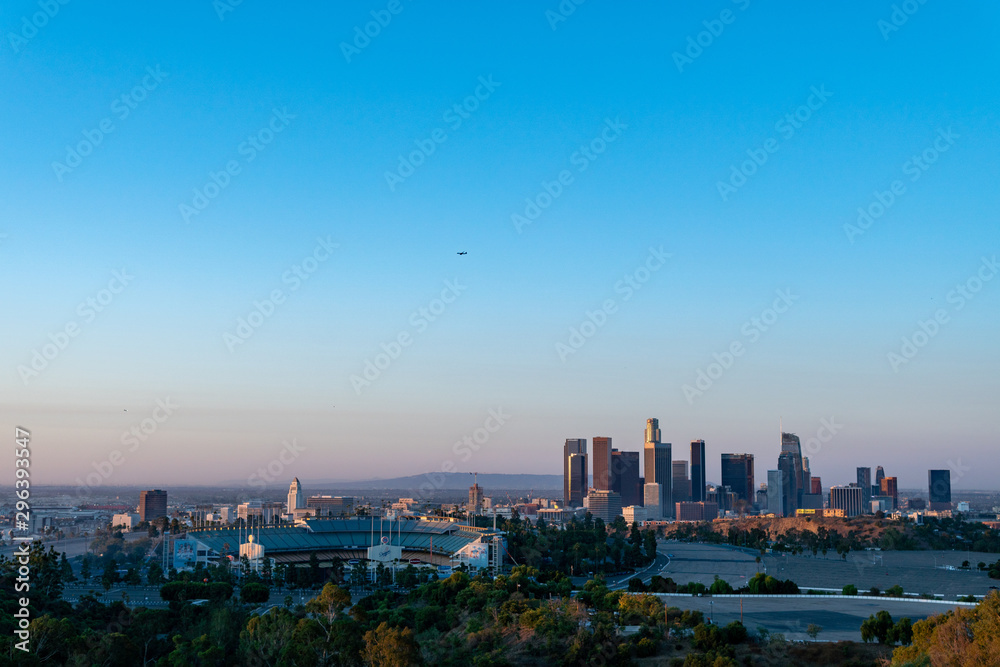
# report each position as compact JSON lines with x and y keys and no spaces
{"x":444,"y":481}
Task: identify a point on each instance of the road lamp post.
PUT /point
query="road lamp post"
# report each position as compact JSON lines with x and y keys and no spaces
{"x":711,"y":608}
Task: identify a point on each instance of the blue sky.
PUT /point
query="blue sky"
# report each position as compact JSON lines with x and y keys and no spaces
{"x":555,"y":86}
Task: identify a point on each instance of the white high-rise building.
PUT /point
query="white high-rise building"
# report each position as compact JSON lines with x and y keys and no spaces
{"x":295,"y":496}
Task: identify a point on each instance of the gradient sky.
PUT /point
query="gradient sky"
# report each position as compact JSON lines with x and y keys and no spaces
{"x":656,"y":185}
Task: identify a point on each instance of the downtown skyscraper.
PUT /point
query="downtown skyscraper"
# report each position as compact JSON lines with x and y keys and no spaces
{"x":625,"y":477}
{"x":602,"y":463}
{"x":791,"y":446}
{"x":574,"y":471}
{"x":865,"y":482}
{"x":697,"y":471}
{"x":738,"y":475}
{"x":657,"y":466}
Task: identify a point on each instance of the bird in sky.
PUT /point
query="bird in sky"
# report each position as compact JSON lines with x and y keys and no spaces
{"x":463,"y":253}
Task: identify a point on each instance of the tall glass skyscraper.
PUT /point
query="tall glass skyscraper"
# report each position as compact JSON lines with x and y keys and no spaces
{"x":790,"y":445}
{"x":574,"y":446}
{"x":697,"y":471}
{"x":737,"y":474}
{"x":657,"y":464}
{"x":865,"y":482}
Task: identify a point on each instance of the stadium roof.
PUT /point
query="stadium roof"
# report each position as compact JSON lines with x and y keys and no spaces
{"x":314,"y":535}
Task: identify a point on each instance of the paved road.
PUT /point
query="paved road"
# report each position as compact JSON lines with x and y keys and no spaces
{"x":915,"y":571}
{"x":840,"y":618}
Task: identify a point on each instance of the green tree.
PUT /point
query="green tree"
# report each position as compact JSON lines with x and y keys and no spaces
{"x":876,"y":627}
{"x":331,"y":601}
{"x":387,"y":646}
{"x":850,"y":589}
{"x":266,"y":639}
{"x":110,"y":575}
{"x":961,"y":637}
{"x":813,"y":630}
{"x":649,"y":543}
{"x":254,"y":593}
{"x":154,"y":574}
{"x":720,"y":587}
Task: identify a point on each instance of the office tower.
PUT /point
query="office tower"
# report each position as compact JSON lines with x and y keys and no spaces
{"x":634,"y":514}
{"x":625,"y":478}
{"x":475,"y":498}
{"x":604,"y":505}
{"x":775,"y":493}
{"x":879,"y":476}
{"x":722,"y":496}
{"x":572,"y":446}
{"x":602,"y":463}
{"x":789,"y":488}
{"x":652,"y":430}
{"x":737,"y":474}
{"x":652,"y":495}
{"x":806,"y":476}
{"x":331,"y":505}
{"x":295,"y":496}
{"x":697,"y":470}
{"x":700,"y":511}
{"x":939,"y":489}
{"x":847,"y":498}
{"x":661,"y":474}
{"x":152,"y":504}
{"x":817,"y":486}
{"x":658,"y":470}
{"x":790,"y":444}
{"x":761,"y":501}
{"x":865,"y":482}
{"x":577,"y":479}
{"x":889,"y":488}
{"x":680,"y":482}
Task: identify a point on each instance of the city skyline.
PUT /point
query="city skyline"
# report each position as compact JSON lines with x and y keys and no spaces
{"x":222,"y":254}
